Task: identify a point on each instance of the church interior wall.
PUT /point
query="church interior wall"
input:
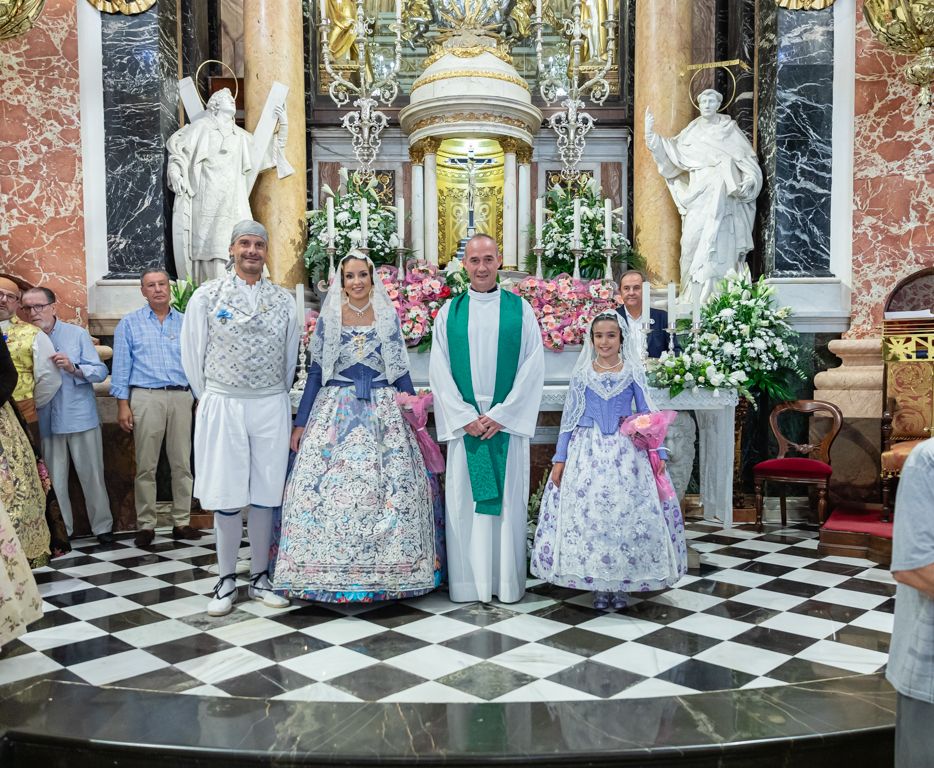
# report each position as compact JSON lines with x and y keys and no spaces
{"x":42,"y":210}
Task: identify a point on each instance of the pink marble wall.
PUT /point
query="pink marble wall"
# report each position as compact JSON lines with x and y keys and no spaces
{"x":42,"y":234}
{"x":893,"y":181}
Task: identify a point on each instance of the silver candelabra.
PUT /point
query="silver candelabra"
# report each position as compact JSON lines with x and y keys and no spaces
{"x":573,"y":123}
{"x":375,"y":86}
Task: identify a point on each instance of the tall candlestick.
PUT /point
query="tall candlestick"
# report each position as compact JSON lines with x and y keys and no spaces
{"x":329,"y":206}
{"x":398,"y":11}
{"x":646,"y":301}
{"x":671,"y":303}
{"x":364,"y":209}
{"x":576,"y":240}
{"x":539,"y":221}
{"x":400,"y":220}
{"x":695,"y":319}
{"x":607,"y":222}
{"x":323,"y":5}
{"x":538,"y":9}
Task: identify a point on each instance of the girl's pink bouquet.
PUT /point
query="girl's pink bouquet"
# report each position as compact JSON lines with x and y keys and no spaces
{"x":415,"y":411}
{"x":647,"y":431}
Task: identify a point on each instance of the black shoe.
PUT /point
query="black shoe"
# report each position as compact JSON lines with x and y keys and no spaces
{"x":186,"y":532}
{"x":105,"y":538}
{"x":144,"y":537}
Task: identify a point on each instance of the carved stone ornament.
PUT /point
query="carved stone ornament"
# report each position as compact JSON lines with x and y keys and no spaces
{"x":470,"y":117}
{"x":804,"y":5}
{"x":18,"y":16}
{"x":126,"y":7}
{"x":523,"y":153}
{"x":510,"y":145}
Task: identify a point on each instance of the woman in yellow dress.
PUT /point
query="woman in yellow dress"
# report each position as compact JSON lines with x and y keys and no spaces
{"x":21,"y":490}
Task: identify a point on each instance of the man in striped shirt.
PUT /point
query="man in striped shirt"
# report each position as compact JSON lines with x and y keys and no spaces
{"x":154,"y":403}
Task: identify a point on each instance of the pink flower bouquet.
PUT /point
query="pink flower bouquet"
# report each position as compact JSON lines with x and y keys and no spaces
{"x":415,"y":411}
{"x":647,"y":432}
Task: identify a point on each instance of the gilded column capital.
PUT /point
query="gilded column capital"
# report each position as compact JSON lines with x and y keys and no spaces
{"x":417,"y":153}
{"x":510,"y":145}
{"x":523,"y":153}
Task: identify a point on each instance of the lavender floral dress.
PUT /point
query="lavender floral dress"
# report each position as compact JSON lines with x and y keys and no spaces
{"x":605,"y":529}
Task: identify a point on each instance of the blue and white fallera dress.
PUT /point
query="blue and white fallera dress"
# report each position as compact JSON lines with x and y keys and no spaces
{"x":362,"y":518}
{"x":605,"y":529}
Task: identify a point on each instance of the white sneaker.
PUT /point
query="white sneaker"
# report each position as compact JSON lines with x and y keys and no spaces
{"x":261,"y":589}
{"x":225,"y":595}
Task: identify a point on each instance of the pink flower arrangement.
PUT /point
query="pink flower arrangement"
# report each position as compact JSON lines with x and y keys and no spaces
{"x":564,"y":306}
{"x":419,"y":296}
{"x":311,"y":320}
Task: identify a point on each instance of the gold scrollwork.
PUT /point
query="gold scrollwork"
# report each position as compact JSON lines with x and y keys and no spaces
{"x":469,"y":52}
{"x":385,"y":189}
{"x":553,"y":178}
{"x":804,"y":5}
{"x":126,"y":7}
{"x":18,"y":16}
{"x":480,"y":73}
{"x":470,"y":117}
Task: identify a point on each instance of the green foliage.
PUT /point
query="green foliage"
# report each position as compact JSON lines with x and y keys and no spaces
{"x":181,"y":294}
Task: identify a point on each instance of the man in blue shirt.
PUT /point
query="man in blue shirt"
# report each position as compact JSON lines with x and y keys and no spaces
{"x":911,"y":658}
{"x":69,"y":425}
{"x":154,"y":402}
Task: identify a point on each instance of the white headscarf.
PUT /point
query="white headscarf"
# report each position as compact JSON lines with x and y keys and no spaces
{"x":326,"y":342}
{"x":604,"y":385}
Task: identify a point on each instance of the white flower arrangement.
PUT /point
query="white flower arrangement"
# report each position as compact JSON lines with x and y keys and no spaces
{"x":745,"y":343}
{"x":558,"y":233}
{"x":382,"y":238}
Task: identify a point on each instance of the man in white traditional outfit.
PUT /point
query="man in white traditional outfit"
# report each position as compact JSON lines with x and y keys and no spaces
{"x":209,"y":170}
{"x":486,"y":372}
{"x":239,"y":349}
{"x":714,"y":177}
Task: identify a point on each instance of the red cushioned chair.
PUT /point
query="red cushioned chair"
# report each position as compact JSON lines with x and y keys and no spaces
{"x":794,"y":469}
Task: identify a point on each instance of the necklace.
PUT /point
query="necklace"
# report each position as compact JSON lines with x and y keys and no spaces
{"x":597,"y":363}
{"x":361,"y":310}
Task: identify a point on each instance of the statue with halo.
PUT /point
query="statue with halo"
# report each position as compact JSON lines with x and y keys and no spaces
{"x":714,"y":177}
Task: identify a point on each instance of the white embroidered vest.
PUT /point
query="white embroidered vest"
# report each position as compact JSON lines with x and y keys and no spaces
{"x":246,"y":347}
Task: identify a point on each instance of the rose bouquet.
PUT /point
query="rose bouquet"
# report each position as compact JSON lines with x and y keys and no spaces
{"x":564,"y":306}
{"x":415,"y":411}
{"x":647,"y":432}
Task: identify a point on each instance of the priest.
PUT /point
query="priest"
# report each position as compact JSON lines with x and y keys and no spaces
{"x":486,"y":374}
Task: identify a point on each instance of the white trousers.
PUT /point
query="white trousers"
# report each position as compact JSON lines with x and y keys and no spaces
{"x":241,"y":450}
{"x":86,"y":451}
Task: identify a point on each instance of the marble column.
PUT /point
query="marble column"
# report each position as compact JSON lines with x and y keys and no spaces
{"x":274,"y":51}
{"x":524,"y":214}
{"x":663,"y":51}
{"x":417,"y":207}
{"x":430,"y":148}
{"x":140,"y":76}
{"x":510,"y":189}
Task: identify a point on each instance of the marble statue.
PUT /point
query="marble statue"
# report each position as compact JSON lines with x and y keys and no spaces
{"x":209,"y":172}
{"x":714,"y":177}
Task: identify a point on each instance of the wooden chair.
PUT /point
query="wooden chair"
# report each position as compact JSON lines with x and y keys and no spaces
{"x":795,"y":469}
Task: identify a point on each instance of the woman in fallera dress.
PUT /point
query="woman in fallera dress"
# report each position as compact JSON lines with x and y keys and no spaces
{"x":359,"y":519}
{"x":603,"y":526}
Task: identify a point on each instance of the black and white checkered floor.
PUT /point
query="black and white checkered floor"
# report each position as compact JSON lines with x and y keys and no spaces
{"x":762,"y":610}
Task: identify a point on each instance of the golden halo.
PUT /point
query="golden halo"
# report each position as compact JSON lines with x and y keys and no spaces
{"x":722,"y":106}
{"x":225,"y":66}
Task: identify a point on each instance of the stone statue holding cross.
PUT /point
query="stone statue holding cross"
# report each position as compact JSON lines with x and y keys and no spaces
{"x":211,"y":169}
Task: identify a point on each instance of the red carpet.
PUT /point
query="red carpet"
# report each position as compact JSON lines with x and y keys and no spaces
{"x":858,"y":521}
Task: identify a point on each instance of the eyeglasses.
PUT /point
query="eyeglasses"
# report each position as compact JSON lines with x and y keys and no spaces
{"x":4,"y":296}
{"x":36,"y":307}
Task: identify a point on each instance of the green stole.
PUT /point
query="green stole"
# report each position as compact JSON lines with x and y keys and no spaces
{"x":486,"y":459}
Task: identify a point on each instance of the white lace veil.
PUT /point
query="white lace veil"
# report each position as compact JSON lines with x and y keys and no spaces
{"x":604,"y":385}
{"x":326,"y":342}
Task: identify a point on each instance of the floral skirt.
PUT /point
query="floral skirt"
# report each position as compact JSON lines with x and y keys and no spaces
{"x":605,"y":529}
{"x":21,"y":490}
{"x":20,"y":604}
{"x":362,"y":519}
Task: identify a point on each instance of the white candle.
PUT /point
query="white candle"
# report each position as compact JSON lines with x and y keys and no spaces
{"x":398,"y":11}
{"x":538,"y":9}
{"x":576,"y":240}
{"x":646,"y":299}
{"x":300,"y":305}
{"x":364,"y":235}
{"x":324,"y":10}
{"x":329,"y":206}
{"x":539,"y":221}
{"x":696,"y":315}
{"x":400,"y":220}
{"x":607,"y":223}
{"x":671,"y":304}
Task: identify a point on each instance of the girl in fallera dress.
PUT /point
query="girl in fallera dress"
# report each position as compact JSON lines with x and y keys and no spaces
{"x":603,"y":526}
{"x":360,"y":514}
